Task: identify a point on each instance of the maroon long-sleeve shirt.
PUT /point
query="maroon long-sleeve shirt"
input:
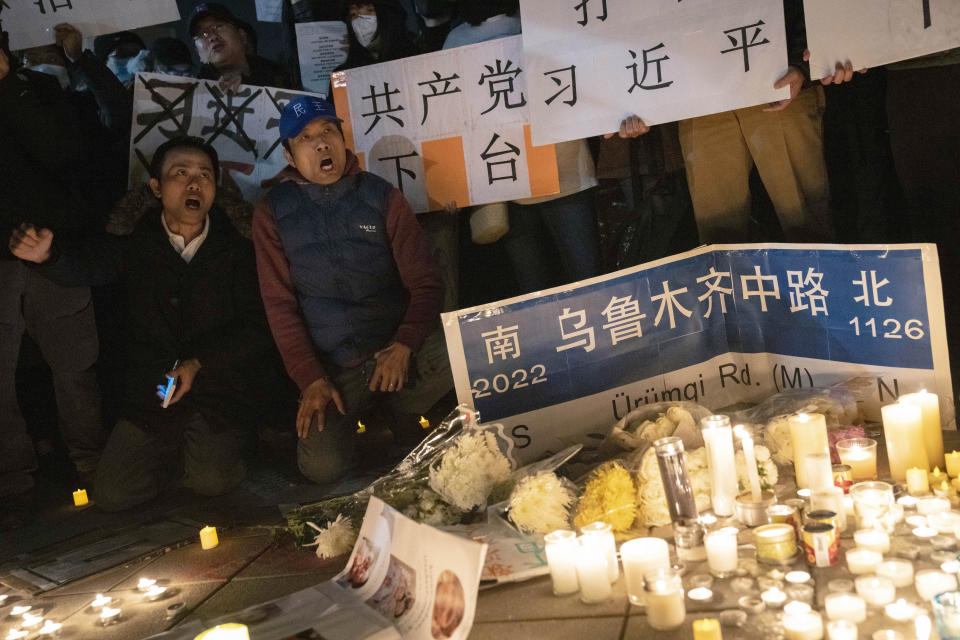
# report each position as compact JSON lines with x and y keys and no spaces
{"x":414,"y":264}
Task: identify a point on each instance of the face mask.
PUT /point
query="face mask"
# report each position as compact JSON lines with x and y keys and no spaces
{"x":365,"y":28}
{"x":140,"y":63}
{"x":55,"y":70}
{"x":119,"y":68}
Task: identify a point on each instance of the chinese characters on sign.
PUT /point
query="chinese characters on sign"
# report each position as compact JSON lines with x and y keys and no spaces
{"x":716,"y":326}
{"x":663,"y":60}
{"x":451,"y":126}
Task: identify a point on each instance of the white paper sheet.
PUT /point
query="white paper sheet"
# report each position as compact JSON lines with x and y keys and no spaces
{"x":322,"y":48}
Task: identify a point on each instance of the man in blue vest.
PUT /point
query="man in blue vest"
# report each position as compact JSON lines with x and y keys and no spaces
{"x":351,"y":293}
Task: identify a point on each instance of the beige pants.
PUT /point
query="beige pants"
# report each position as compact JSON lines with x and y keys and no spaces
{"x":719,"y":151}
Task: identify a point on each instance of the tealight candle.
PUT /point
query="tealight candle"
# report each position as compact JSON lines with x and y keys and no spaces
{"x":900,"y":611}
{"x":155,"y":592}
{"x":804,"y":495}
{"x":208,"y":538}
{"x":109,"y":615}
{"x":592,"y":574}
{"x":924,"y":533}
{"x":601,"y":534}
{"x":801,"y":592}
{"x":17,"y":634}
{"x":31,"y":622}
{"x":929,"y":405}
{"x":641,"y":556}
{"x":875,"y":539}
{"x":841,"y":585}
{"x":19,"y":609}
{"x":950,"y":566}
{"x":903,"y":429}
{"x":926,"y":506}
{"x":953,"y":464}
{"x":943,"y":521}
{"x":50,"y":628}
{"x":773,"y":597}
{"x":797,"y":577}
{"x":917,"y":521}
{"x":795,"y":608}
{"x":722,"y":551}
{"x":862,"y":561}
{"x":899,"y":572}
{"x":100,"y":601}
{"x":917,"y":481}
{"x":700,"y":594}
{"x":80,"y":497}
{"x":944,"y":490}
{"x":887,"y":634}
{"x":876,"y":591}
{"x":936,"y":476}
{"x":907,"y":502}
{"x":561,"y":549}
{"x":806,"y":626}
{"x":841,"y":630}
{"x":932,"y":581}
{"x":943,"y":543}
{"x":145,"y":583}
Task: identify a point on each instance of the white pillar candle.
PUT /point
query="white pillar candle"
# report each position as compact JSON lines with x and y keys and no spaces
{"x":819,"y":470}
{"x":592,"y":573}
{"x":664,"y":598}
{"x":601,"y":534}
{"x":927,"y":506}
{"x":718,"y":438}
{"x":831,"y":499}
{"x":903,"y":430}
{"x":861,"y":455}
{"x":561,"y":549}
{"x":641,"y":556}
{"x":931,"y":582}
{"x":899,"y":572}
{"x":929,"y":405}
{"x":862,"y":561}
{"x":808,"y":434}
{"x":750,"y":458}
{"x":806,"y":626}
{"x":845,"y":606}
{"x":722,"y":551}
{"x":876,"y":591}
{"x":876,"y":539}
{"x":841,"y":630}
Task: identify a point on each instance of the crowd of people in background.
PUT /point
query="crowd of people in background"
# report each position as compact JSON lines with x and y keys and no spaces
{"x":861,"y":156}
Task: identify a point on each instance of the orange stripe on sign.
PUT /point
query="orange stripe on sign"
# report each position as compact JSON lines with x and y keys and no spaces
{"x":339,"y":83}
{"x":542,"y":164}
{"x":446,"y":172}
{"x":361,"y":161}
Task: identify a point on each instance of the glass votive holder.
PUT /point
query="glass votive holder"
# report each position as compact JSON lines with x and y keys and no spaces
{"x":601,"y":534}
{"x":863,"y":561}
{"x":804,"y":626}
{"x":899,"y":572}
{"x":873,"y":505}
{"x":640,"y":556}
{"x":751,"y":604}
{"x":663,"y":593}
{"x":700,"y":580}
{"x":561,"y":548}
{"x":946,"y":614}
{"x":773,"y":598}
{"x":592,"y":576}
{"x":840,"y":585}
{"x":875,"y":591}
{"x":845,"y":606}
{"x":721,"y":545}
{"x":861,"y":455}
{"x":766,"y":582}
{"x":900,"y":611}
{"x":930,"y":505}
{"x":743,"y":584}
{"x":939,"y":557}
{"x":931,"y":582}
{"x":800,"y":592}
{"x":841,"y":630}
{"x":733,"y":618}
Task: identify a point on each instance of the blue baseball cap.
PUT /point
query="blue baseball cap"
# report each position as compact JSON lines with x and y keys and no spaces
{"x":303,"y":110}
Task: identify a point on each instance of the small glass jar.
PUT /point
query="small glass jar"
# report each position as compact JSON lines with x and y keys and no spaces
{"x":663,"y":593}
{"x":775,"y":543}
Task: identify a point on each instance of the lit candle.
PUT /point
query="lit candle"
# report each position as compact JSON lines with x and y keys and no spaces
{"x":929,"y":405}
{"x":155,"y":592}
{"x":875,"y":539}
{"x":796,"y":608}
{"x":917,"y":521}
{"x":861,"y":455}
{"x":944,"y":490}
{"x":807,"y":626}
{"x":943,"y":521}
{"x":841,"y":630}
{"x":31,"y":622}
{"x":228,"y":631}
{"x":50,"y":628}
{"x":80,"y":497}
{"x":861,"y":561}
{"x":700,"y":594}
{"x":898,"y":571}
{"x":873,"y":503}
{"x":424,"y":423}
{"x":917,"y":481}
{"x":797,"y":577}
{"x":707,"y":629}
{"x":924,"y":533}
{"x":664,"y":597}
{"x":641,"y":556}
{"x":749,"y":456}
{"x":907,"y":502}
{"x":718,"y":439}
{"x":903,"y":429}
{"x":876,"y":591}
{"x":208,"y":538}
{"x":900,"y":611}
{"x":561,"y":550}
{"x":722,"y":551}
{"x":773,"y":597}
{"x":17,"y":634}
{"x":145,"y":583}
{"x":109,"y":615}
{"x":592,"y":572}
{"x":926,"y":506}
{"x":100,"y":601}
{"x":808,"y":433}
{"x":932,"y":581}
{"x":950,"y":566}
{"x":953,"y":464}
{"x":19,"y":609}
{"x":601,"y":534}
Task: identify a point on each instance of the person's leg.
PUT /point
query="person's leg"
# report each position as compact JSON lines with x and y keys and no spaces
{"x":433,"y":381}
{"x":787,"y":147}
{"x":572,"y":223}
{"x":212,"y":463}
{"x":135,"y":466}
{"x":526,"y":248}
{"x":326,"y":456}
{"x":61,"y":320}
{"x":718,"y":175}
{"x":17,"y":457}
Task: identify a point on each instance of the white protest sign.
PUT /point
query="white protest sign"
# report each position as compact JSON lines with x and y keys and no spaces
{"x":448,"y":126}
{"x":269,"y":10}
{"x":242,"y":126}
{"x":593,"y":63}
{"x":322,"y":47}
{"x":719,"y":325}
{"x":30,"y":22}
{"x":871,"y":33}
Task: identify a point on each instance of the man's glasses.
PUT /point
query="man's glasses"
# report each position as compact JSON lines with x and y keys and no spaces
{"x":212,"y":30}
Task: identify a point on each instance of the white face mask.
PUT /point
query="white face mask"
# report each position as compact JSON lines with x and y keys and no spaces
{"x":365,"y":28}
{"x":55,"y":70}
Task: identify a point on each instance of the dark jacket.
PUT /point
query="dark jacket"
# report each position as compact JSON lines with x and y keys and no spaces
{"x":209,"y":309}
{"x":263,"y":73}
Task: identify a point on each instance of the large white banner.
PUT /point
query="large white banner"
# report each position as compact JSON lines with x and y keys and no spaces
{"x":31,"y":22}
{"x":594,"y":62}
{"x":242,"y":127}
{"x":321,"y":47}
{"x":448,"y":126}
{"x":870,"y":33}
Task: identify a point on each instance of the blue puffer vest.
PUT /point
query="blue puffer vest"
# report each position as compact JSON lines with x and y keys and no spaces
{"x":341,"y":262}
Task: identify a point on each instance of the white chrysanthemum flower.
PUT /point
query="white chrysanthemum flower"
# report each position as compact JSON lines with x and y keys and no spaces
{"x":430,"y":509}
{"x":541,"y":504}
{"x":335,"y":539}
{"x":469,"y":469}
{"x":761,"y":453}
{"x":766,"y":470}
{"x":777,"y":437}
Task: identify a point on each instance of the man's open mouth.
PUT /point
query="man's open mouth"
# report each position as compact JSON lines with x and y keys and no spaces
{"x":326,"y":164}
{"x":192,"y":203}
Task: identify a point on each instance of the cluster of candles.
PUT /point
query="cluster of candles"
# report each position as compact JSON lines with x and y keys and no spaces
{"x":31,"y":622}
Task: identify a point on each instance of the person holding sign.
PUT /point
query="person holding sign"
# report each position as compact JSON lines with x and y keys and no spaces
{"x":351,"y":293}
